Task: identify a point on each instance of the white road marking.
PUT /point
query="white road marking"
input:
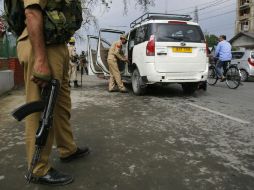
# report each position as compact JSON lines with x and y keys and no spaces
{"x":220,"y":114}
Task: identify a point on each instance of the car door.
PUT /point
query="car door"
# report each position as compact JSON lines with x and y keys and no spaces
{"x":106,"y":38}
{"x":238,"y":58}
{"x":92,"y":43}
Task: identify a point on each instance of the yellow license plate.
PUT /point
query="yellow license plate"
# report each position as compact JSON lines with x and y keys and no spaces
{"x":182,"y":50}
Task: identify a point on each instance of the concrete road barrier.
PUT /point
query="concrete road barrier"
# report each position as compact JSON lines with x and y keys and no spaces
{"x":6,"y":81}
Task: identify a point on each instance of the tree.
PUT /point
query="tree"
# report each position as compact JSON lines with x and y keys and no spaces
{"x":89,"y":6}
{"x":2,"y":24}
{"x":211,"y":40}
{"x":144,"y":4}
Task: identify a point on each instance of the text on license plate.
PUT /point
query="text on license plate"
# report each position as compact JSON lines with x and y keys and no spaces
{"x":182,"y":49}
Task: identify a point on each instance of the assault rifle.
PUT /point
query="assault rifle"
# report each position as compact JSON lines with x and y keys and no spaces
{"x":46,"y":106}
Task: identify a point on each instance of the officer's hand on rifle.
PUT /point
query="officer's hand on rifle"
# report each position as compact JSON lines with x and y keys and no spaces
{"x":41,"y":73}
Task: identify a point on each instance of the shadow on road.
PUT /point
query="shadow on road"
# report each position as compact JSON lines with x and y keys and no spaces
{"x":170,"y":91}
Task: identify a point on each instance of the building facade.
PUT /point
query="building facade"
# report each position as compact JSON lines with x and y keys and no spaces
{"x":244,"y":16}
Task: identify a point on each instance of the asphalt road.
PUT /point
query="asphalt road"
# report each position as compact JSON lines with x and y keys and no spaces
{"x":162,"y":141}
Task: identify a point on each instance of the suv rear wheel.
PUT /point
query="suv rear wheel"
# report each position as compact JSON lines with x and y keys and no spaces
{"x":137,"y":84}
{"x":189,"y":88}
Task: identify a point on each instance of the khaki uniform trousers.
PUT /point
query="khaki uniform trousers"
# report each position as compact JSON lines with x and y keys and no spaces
{"x":58,"y":58}
{"x":115,"y":76}
{"x":73,"y":71}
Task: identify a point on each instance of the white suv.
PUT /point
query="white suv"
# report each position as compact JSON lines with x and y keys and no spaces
{"x":162,"y":48}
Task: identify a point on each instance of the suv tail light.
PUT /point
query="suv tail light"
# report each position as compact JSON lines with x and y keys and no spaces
{"x":150,"y":47}
{"x":251,"y":62}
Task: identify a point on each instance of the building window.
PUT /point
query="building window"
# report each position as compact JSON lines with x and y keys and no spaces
{"x":244,"y":2}
{"x":244,"y":12}
{"x":245,"y":26}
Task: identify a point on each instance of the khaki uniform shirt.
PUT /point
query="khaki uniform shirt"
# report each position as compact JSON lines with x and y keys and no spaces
{"x":115,"y":51}
{"x":41,"y":3}
{"x":72,"y":50}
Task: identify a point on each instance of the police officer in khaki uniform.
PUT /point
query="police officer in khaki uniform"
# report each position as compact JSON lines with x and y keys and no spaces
{"x":73,"y":69}
{"x":115,"y":52}
{"x":83,"y":63}
{"x":41,"y":62}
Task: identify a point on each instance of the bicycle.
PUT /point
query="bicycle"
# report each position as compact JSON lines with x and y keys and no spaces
{"x":231,"y":73}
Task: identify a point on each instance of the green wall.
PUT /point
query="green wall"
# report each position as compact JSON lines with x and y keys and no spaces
{"x":8,"y":46}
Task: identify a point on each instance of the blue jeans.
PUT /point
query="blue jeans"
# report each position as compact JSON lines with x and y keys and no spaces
{"x":219,"y":68}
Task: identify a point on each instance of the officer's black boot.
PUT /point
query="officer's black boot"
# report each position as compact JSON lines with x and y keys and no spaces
{"x":76,"y":84}
{"x":54,"y":178}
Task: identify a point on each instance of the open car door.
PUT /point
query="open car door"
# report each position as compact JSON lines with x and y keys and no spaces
{"x":106,"y":38}
{"x":92,"y":43}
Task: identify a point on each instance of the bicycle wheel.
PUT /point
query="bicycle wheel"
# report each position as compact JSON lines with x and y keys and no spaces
{"x":212,"y":76}
{"x":233,"y":77}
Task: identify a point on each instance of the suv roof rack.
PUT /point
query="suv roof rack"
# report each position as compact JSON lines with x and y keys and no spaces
{"x":159,"y":16}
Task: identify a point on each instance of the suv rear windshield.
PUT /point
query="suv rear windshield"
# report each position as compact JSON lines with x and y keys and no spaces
{"x":178,"y":32}
{"x":237,"y":55}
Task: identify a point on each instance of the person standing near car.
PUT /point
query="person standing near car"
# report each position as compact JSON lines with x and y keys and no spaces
{"x":115,"y":53}
{"x":83,"y":63}
{"x":223,"y":53}
{"x":73,"y":69}
{"x":44,"y":57}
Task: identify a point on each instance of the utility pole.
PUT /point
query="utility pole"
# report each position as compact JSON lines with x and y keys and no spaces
{"x":166,"y":6}
{"x":196,"y":19}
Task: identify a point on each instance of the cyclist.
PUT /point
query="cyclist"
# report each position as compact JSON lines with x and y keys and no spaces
{"x":223,"y":52}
